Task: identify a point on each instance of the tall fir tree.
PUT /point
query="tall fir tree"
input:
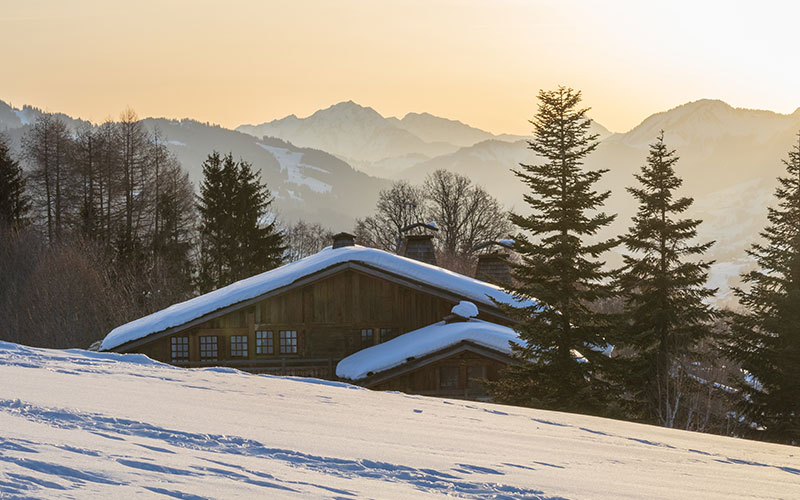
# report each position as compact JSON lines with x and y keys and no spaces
{"x":560,"y":267}
{"x":14,"y":202}
{"x":238,"y":234}
{"x":663,"y":287}
{"x":765,"y":337}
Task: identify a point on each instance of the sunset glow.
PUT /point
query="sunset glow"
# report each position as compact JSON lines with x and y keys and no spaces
{"x":479,"y":62}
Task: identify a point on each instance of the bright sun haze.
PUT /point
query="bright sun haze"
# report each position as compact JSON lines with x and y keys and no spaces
{"x":251,"y":61}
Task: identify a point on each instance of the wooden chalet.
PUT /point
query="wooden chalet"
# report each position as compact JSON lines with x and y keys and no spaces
{"x":305,"y":317}
{"x":451,"y":358}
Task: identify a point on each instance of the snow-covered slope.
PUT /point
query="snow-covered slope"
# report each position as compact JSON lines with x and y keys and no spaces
{"x":85,"y":425}
{"x":350,"y":131}
{"x":432,"y":128}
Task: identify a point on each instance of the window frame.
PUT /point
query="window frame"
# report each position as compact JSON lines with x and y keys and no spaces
{"x":239,"y":346}
{"x":261,"y":342}
{"x":382,"y":337}
{"x":366,"y":338}
{"x":184,"y":346}
{"x":203,"y":343}
{"x":456,"y":381}
{"x":284,"y":342}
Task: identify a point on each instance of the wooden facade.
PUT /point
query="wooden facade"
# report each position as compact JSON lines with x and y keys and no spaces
{"x":458,"y":372}
{"x":305,"y":329}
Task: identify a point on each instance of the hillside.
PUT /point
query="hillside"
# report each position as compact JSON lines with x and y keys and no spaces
{"x":376,"y":144}
{"x":85,"y":425}
{"x":729,"y":161}
{"x":329,"y":167}
{"x":307,"y":183}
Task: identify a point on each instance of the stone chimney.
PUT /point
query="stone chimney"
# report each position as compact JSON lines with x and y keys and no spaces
{"x":418,"y":247}
{"x":343,"y":240}
{"x":493,"y":267}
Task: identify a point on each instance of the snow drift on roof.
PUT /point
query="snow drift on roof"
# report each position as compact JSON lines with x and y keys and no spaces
{"x":465,"y":309}
{"x":179,"y":314}
{"x":424,"y":341}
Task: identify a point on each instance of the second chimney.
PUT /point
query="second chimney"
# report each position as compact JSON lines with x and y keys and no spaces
{"x":343,"y":240}
{"x":493,"y":267}
{"x":419,"y":247}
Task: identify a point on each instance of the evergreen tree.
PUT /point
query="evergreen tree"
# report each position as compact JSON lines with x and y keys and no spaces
{"x":560,"y":267}
{"x":238,"y":235}
{"x":663,"y":292}
{"x":14,"y":203}
{"x":766,"y":336}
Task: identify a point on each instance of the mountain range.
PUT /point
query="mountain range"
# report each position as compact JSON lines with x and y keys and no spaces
{"x":329,"y":166}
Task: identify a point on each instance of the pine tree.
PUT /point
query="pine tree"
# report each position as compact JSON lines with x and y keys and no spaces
{"x":14,"y":202}
{"x":238,"y":235}
{"x":559,"y":267}
{"x":662,"y":284}
{"x":766,"y":336}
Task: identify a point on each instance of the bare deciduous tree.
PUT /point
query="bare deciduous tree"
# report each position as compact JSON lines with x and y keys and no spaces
{"x":303,"y":239}
{"x":400,"y":205}
{"x":465,"y":213}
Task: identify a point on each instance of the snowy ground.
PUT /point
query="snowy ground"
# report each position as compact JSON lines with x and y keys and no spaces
{"x":86,"y":425}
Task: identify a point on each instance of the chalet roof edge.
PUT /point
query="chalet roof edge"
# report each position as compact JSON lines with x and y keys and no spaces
{"x":433,"y":276}
{"x":423,"y":342}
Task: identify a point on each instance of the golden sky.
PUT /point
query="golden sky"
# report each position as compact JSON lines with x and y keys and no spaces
{"x":481,"y":62}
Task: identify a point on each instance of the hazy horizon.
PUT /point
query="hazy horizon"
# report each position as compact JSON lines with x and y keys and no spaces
{"x":481,"y":63}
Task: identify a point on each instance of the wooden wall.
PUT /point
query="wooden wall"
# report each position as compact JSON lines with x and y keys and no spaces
{"x":327,"y":314}
{"x":428,"y":379}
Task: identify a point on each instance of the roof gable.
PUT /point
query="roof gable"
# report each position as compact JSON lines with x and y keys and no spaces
{"x":285,"y":276}
{"x":423,"y":342}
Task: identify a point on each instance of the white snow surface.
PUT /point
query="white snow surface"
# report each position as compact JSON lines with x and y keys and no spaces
{"x":102,"y":425}
{"x":178,"y":314}
{"x":424,"y":341}
{"x":291,"y":161}
{"x":465,"y":309}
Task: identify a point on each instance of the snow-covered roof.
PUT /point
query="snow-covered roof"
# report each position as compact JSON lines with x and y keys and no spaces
{"x":179,"y":314}
{"x":426,"y":340}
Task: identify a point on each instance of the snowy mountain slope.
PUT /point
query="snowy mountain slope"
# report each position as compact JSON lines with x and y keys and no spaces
{"x":707,"y":120}
{"x":363,"y":137}
{"x":729,"y":160}
{"x":307,"y":183}
{"x":86,"y":425}
{"x":432,"y":128}
{"x":349,"y":131}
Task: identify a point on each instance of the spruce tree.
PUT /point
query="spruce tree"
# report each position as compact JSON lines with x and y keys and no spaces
{"x":560,"y":266}
{"x":766,"y":335}
{"x":662,"y":285}
{"x":14,"y":202}
{"x":238,"y":234}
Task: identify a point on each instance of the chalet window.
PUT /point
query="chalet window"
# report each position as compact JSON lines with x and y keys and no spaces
{"x":448,"y":377}
{"x":387,"y":334}
{"x":265,"y":343}
{"x":367,"y":337}
{"x":475,"y":376}
{"x":288,"y":341}
{"x":180,"y":348}
{"x":239,"y":346}
{"x":209,"y":350}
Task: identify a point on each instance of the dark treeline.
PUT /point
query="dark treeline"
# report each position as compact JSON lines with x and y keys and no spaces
{"x":677,"y":362}
{"x":103,"y":226}
{"x":105,"y":234}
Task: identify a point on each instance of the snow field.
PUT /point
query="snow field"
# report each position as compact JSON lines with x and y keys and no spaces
{"x":75,"y":424}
